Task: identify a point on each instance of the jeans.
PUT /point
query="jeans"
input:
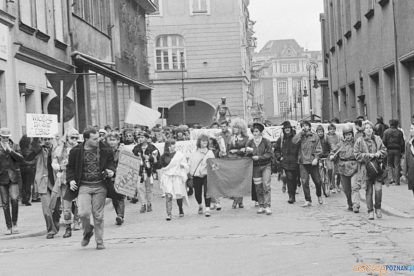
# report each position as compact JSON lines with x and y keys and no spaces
{"x":347,"y":186}
{"x":145,"y":190}
{"x":394,"y":165}
{"x":52,"y":217}
{"x":200,"y":183}
{"x":10,"y":193}
{"x":91,"y":200}
{"x":28,"y":175}
{"x":291,"y":179}
{"x":67,"y":207}
{"x":372,"y":185}
{"x":119,"y":206}
{"x":305,"y":170}
{"x":262,"y":181}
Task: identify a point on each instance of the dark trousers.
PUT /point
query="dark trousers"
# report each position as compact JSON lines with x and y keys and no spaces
{"x":292,"y":180}
{"x":254,"y":194}
{"x":373,"y":190}
{"x":394,"y":165}
{"x":10,"y":193}
{"x":119,"y":206}
{"x":313,"y":171}
{"x":28,"y":175}
{"x":346,"y":185}
{"x":199,"y":184}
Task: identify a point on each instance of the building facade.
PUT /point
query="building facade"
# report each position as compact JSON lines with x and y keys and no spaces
{"x":283,"y":71}
{"x":369,"y":54}
{"x":200,"y":51}
{"x":105,"y":40}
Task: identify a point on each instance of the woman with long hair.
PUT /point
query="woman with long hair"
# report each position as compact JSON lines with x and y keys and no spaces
{"x":198,"y":170}
{"x":174,"y":170}
{"x":237,"y":148}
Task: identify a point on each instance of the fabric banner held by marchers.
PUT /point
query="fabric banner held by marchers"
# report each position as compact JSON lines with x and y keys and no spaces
{"x":127,"y":173}
{"x":231,"y":177}
{"x":138,"y":114}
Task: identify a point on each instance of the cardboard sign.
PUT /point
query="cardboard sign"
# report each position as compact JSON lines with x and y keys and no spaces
{"x":127,"y":173}
{"x":42,"y":125}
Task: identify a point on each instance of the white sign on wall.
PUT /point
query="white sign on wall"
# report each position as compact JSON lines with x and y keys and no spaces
{"x":42,"y":125}
{"x":4,"y":41}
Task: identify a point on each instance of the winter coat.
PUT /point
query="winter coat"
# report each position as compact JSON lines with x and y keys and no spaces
{"x":264,"y":151}
{"x":394,"y":140}
{"x":287,"y":153}
{"x":344,"y":152}
{"x":408,"y":169}
{"x":236,"y":144}
{"x":309,"y":147}
{"x":9,"y":164}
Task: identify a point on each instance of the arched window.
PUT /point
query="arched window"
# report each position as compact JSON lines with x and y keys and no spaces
{"x":169,"y":52}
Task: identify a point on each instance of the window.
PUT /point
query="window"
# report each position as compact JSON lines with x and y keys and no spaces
{"x":57,"y":9}
{"x":200,"y":7}
{"x":348,"y":19}
{"x":285,"y":68}
{"x":282,"y":87}
{"x":169,"y":52}
{"x":95,"y":12}
{"x":26,"y":12}
{"x":370,"y":12}
{"x":293,"y":68}
{"x":157,"y":3}
{"x":3,"y":5}
{"x":41,"y":18}
{"x":283,"y":108}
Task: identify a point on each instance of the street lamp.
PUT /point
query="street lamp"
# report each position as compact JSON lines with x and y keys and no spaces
{"x":309,"y":67}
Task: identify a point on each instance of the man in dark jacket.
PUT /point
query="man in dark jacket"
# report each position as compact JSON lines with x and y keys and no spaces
{"x":150,"y":156}
{"x":310,"y":150}
{"x":88,"y":170}
{"x":9,"y":188}
{"x":395,"y":144}
{"x":380,"y":127}
{"x":287,"y":154}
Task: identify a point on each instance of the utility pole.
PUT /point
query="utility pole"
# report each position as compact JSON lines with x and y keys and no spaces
{"x":182,"y":84}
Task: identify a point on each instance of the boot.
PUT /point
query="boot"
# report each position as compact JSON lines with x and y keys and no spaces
{"x":291,"y":200}
{"x":68,"y":232}
{"x":76,"y":223}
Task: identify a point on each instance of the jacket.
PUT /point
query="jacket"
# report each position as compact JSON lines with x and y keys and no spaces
{"x":148,"y":151}
{"x":408,"y":168}
{"x":309,"y":147}
{"x":237,"y":145}
{"x":344,"y":151}
{"x":264,"y":151}
{"x":198,"y":162}
{"x":394,"y":140}
{"x":44,"y":177}
{"x":9,"y":164}
{"x":287,"y":153}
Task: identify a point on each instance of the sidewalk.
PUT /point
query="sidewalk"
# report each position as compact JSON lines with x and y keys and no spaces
{"x":396,"y":201}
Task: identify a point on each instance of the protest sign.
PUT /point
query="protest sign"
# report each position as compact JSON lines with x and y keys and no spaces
{"x":231,"y":177}
{"x":42,"y":125}
{"x":127,"y":173}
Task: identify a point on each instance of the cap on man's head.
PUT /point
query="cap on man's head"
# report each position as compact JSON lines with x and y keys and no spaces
{"x":286,"y":124}
{"x":5,"y":132}
{"x":306,"y":123}
{"x":258,"y":126}
{"x":103,"y":131}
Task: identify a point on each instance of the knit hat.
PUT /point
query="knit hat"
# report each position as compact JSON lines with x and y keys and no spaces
{"x":286,"y":124}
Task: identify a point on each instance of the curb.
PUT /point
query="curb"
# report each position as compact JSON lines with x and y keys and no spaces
{"x":388,"y":210}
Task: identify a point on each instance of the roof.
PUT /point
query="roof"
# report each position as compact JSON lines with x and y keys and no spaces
{"x":281,"y":48}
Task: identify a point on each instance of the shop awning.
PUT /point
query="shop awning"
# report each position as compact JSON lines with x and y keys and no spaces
{"x":100,"y":68}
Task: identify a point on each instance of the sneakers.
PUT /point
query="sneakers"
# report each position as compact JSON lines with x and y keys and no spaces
{"x":87,"y":237}
{"x":26,"y":203}
{"x":134,"y":200}
{"x":8,"y":231}
{"x":149,"y":207}
{"x":50,"y":236}
{"x":371,"y":215}
{"x":355,"y":208}
{"x":378,"y":212}
{"x":119,"y":220}
{"x":307,"y":204}
{"x":241,"y":205}
{"x":76,"y":225}
{"x":261,"y":210}
{"x":256,"y":204}
{"x":212,"y":206}
{"x":207,"y":213}
{"x":15,"y":230}
{"x":143,"y":208}
{"x":218,"y":206}
{"x":100,"y":246}
{"x":200,"y":210}
{"x":181,"y":214}
{"x":268,"y":211}
{"x":169,"y":217}
{"x":320,"y":200}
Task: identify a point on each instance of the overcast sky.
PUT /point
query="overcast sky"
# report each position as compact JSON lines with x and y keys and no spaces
{"x":285,"y":19}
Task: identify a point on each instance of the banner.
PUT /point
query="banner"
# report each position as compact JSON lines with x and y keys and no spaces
{"x":138,"y":114}
{"x":186,"y":147}
{"x":42,"y":125}
{"x":127,"y":173}
{"x":229,"y":177}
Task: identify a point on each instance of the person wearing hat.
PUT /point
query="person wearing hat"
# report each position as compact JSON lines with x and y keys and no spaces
{"x":9,"y":189}
{"x":347,"y":167}
{"x":286,"y":153}
{"x":102,"y":133}
{"x":150,"y":157}
{"x":260,"y":149}
{"x":310,"y":150}
{"x":60,"y":158}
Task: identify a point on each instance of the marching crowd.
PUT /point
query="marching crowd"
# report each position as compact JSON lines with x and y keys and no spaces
{"x":74,"y":174}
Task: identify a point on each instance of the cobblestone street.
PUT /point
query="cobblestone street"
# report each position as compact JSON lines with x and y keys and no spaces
{"x":321,"y":240}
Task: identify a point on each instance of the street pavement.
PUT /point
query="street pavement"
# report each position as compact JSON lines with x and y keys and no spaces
{"x":321,"y":240}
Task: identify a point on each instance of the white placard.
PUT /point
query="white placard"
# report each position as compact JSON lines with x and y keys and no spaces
{"x":42,"y":125}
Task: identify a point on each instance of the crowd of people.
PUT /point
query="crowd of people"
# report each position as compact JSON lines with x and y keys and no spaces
{"x":74,"y":174}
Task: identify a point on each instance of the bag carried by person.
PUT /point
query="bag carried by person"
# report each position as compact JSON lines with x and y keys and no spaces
{"x":189,"y":182}
{"x":374,"y":167}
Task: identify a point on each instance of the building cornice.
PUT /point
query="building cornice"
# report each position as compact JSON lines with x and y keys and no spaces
{"x":7,"y":18}
{"x":198,"y":80}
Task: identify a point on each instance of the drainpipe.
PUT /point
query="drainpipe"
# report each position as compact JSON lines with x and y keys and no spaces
{"x":397,"y":70}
